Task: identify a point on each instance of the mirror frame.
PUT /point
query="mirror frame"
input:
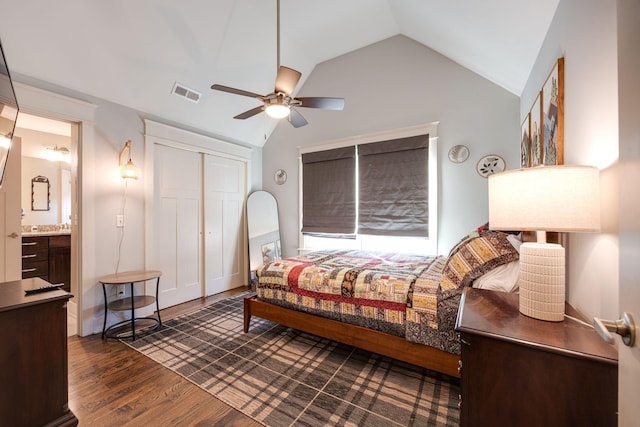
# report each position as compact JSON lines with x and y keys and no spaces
{"x":38,"y":205}
{"x":265,"y":243}
{"x":9,"y":108}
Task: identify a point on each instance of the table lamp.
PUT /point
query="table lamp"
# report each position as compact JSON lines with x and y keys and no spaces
{"x":541,"y":199}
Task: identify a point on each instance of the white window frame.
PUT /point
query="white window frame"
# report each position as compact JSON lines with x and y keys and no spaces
{"x":414,"y":245}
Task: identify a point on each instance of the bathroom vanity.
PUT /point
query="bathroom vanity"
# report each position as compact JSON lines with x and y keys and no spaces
{"x":47,"y":255}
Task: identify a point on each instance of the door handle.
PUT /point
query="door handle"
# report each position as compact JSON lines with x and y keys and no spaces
{"x":13,"y":235}
{"x":624,"y":327}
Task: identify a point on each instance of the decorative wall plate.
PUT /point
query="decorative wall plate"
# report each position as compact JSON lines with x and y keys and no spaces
{"x":490,"y":164}
{"x":280,"y":177}
{"x":458,"y":153}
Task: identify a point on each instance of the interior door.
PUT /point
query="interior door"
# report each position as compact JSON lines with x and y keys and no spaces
{"x":10,"y":230}
{"x":177,"y":226}
{"x":224,"y":192}
{"x":629,"y":231}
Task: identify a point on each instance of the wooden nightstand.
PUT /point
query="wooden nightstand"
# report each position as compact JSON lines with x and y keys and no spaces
{"x":516,"y":370}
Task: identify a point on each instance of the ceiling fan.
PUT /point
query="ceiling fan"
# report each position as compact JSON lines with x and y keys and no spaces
{"x":280,"y":103}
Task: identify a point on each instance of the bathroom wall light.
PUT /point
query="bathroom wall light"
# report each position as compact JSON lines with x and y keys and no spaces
{"x":5,"y":141}
{"x":128,"y":169}
{"x":58,"y":154}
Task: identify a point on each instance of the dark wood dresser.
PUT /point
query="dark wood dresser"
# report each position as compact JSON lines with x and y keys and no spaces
{"x":518,"y":371}
{"x":33,"y":358}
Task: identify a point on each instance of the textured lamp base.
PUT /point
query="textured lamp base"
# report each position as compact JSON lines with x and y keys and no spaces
{"x":541,"y":281}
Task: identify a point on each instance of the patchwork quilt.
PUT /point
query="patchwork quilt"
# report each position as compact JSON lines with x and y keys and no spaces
{"x":404,"y":295}
{"x":367,"y":289}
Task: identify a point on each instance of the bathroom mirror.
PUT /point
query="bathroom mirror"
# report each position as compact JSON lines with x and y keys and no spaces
{"x":40,"y":194}
{"x":36,"y":142}
{"x":263,"y":228}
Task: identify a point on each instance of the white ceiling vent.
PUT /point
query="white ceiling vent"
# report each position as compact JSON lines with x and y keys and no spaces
{"x":185,"y":92}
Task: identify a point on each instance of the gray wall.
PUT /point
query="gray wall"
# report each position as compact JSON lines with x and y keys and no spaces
{"x":585,"y":33}
{"x":103,"y":192}
{"x":393,"y":84}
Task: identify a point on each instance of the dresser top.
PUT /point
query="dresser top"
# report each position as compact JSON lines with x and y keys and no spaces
{"x":496,"y":315}
{"x":12,"y":294}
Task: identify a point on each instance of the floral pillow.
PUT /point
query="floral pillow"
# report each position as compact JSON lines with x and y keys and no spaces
{"x":477,"y":254}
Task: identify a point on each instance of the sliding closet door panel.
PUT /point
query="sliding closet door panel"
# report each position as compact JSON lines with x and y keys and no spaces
{"x":224,"y":186}
{"x":177,"y":228}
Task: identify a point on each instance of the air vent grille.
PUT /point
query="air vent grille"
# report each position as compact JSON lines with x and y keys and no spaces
{"x":184,"y":92}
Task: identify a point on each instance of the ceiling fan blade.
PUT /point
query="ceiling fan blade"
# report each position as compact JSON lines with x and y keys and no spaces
{"x":322,"y":103}
{"x":287,"y":80}
{"x":296,"y":119}
{"x":236,"y":91}
{"x":250,"y":113}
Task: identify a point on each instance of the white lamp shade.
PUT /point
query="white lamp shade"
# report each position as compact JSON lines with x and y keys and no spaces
{"x":549,"y":198}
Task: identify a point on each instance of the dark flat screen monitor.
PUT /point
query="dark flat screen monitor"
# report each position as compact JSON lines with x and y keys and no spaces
{"x":8,"y":113}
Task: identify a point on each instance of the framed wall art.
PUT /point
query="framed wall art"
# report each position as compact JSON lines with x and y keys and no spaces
{"x":545,"y":123}
{"x":525,"y":143}
{"x":552,"y":99}
{"x":535,"y":128}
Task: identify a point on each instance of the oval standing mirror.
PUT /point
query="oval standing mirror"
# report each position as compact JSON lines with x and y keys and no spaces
{"x":263,"y":228}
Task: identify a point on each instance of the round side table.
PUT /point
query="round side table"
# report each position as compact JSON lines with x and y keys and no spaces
{"x":132,"y":302}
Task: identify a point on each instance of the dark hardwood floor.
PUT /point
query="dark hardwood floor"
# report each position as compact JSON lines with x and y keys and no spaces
{"x":113,"y":385}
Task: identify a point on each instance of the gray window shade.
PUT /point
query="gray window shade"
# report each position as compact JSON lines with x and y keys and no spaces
{"x":393,"y":187}
{"x":329,"y":191}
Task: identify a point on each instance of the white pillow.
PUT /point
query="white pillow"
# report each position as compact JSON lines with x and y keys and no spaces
{"x":503,"y":278}
{"x":515,"y":241}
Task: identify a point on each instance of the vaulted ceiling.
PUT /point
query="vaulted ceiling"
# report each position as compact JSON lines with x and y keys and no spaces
{"x":133,"y":52}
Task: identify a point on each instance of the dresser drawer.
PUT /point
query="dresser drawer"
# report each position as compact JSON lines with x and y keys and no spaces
{"x":35,"y":269}
{"x":32,"y":254}
{"x":33,"y":243}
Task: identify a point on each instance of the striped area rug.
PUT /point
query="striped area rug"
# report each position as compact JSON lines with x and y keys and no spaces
{"x":283,"y":377}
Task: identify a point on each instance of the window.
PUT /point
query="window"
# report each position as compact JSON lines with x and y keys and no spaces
{"x":392,"y":176}
{"x":393,"y":187}
{"x":329,"y":191}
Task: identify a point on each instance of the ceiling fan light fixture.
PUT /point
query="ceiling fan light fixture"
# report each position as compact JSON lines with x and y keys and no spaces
{"x":277,"y":111}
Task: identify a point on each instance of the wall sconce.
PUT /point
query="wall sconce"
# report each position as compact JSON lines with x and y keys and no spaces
{"x":58,"y":154}
{"x":5,"y":141}
{"x":128,"y":169}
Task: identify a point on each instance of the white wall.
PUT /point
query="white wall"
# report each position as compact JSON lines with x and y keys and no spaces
{"x":585,"y":33}
{"x":34,"y":143}
{"x":393,"y":84}
{"x":32,"y":167}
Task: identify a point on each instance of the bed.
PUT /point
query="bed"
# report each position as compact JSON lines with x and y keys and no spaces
{"x":402,"y":306}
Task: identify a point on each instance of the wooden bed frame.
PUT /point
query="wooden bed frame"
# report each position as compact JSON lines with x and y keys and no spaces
{"x":357,"y":336}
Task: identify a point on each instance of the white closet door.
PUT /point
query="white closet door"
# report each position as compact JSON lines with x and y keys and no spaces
{"x":177,"y":223}
{"x":224,"y":189}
